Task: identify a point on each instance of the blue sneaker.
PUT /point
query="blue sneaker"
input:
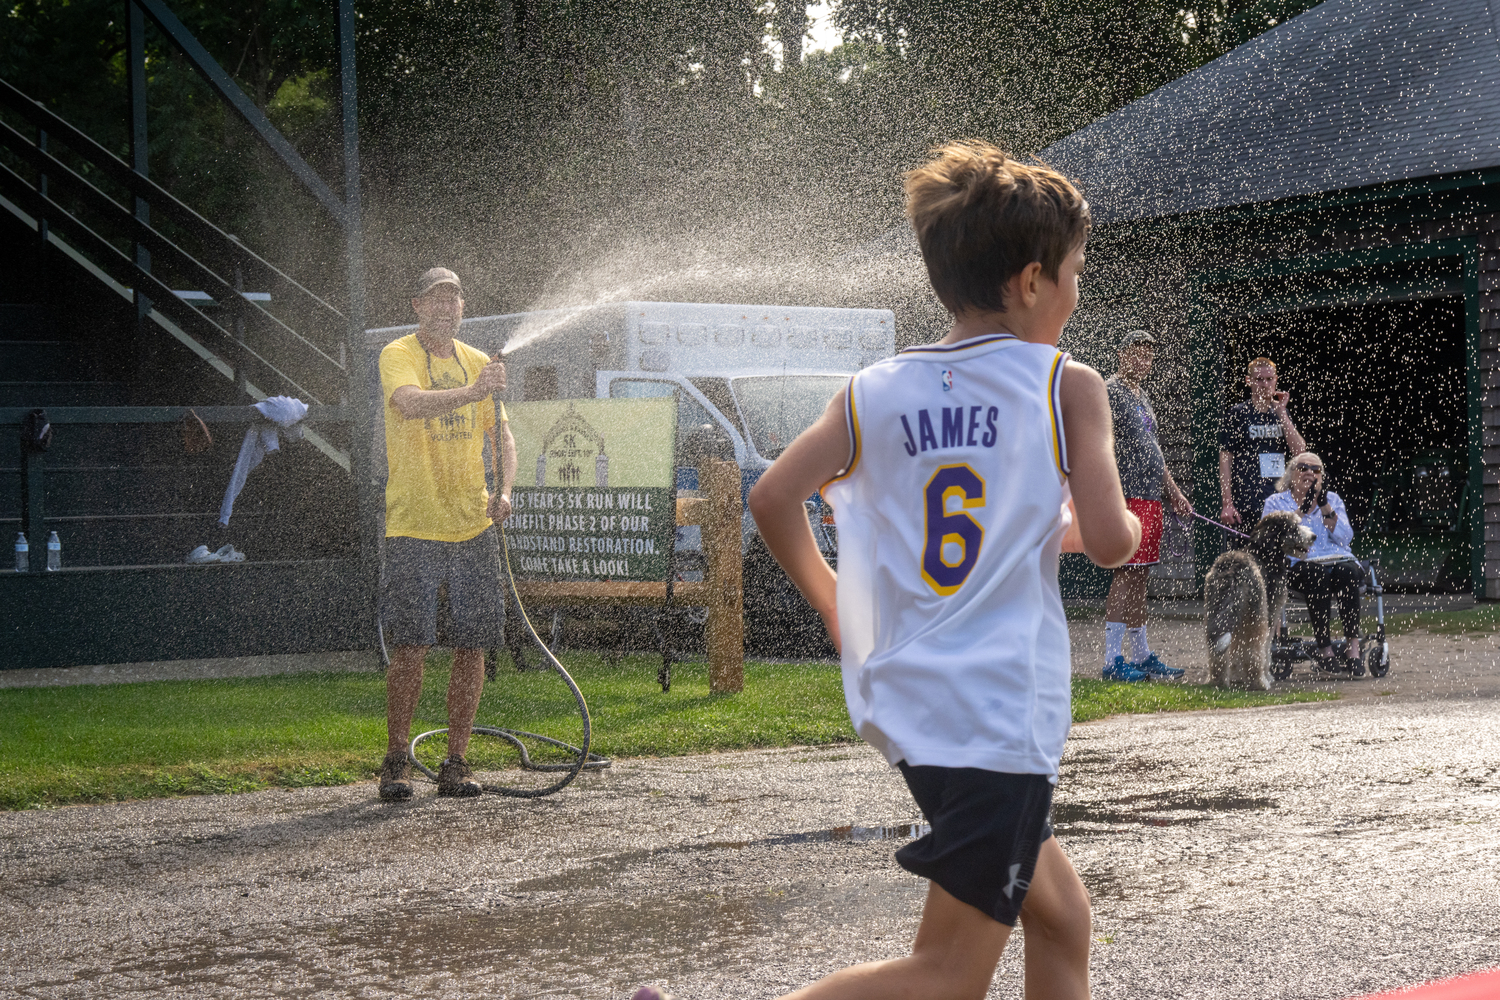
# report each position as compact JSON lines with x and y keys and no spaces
{"x":1122,"y":671}
{"x":1153,"y":667}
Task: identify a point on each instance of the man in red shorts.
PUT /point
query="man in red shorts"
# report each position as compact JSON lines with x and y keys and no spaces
{"x":1144,"y":477}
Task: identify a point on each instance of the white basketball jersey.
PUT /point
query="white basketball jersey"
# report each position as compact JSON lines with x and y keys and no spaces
{"x":950,"y":518}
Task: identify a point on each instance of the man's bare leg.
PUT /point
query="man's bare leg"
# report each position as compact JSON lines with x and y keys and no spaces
{"x":953,"y":958}
{"x":1058,"y":923}
{"x":1127,"y":596}
{"x":465,"y":685}
{"x":403,"y":688}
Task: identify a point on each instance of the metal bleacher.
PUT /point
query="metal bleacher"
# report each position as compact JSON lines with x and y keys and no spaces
{"x":121,"y":310}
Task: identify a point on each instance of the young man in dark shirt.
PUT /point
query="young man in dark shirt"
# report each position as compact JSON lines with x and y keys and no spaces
{"x":1144,"y":479}
{"x":1255,"y":438}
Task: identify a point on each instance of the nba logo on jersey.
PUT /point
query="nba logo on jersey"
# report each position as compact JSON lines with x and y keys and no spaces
{"x":947,"y":379}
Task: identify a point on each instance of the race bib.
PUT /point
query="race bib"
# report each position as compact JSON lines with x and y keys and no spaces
{"x":1272,"y":465}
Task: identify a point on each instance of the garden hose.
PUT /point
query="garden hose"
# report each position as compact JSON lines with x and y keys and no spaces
{"x":583,"y":760}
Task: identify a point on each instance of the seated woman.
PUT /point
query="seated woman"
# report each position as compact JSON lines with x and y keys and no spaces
{"x":1329,"y":570}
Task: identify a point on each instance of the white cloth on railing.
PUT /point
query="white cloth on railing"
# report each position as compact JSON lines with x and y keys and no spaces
{"x":282,"y":416}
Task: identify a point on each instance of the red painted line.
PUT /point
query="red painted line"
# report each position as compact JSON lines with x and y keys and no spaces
{"x":1480,"y":986}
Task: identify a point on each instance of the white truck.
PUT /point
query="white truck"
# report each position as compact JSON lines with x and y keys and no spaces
{"x":747,"y":380}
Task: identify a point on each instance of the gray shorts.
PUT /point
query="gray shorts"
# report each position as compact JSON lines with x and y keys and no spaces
{"x":418,"y":572}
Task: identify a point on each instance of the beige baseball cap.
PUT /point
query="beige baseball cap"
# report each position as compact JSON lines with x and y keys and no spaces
{"x":1136,"y":337}
{"x":432,"y":277}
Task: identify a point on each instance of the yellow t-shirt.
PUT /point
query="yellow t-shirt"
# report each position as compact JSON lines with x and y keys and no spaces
{"x":435,"y":489}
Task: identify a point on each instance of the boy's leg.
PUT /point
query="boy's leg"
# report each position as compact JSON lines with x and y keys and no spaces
{"x":1058,"y":924}
{"x":954,"y":958}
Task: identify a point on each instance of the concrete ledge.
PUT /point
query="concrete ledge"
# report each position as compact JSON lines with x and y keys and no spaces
{"x":177,"y":670}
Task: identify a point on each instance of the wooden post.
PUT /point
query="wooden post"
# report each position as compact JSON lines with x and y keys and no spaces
{"x":721,"y":546}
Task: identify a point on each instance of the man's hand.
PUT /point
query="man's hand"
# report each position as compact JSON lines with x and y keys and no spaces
{"x":498,"y":508}
{"x":1279,"y":401}
{"x":491,"y":379}
{"x":1229,"y":515}
{"x":1181,"y":505}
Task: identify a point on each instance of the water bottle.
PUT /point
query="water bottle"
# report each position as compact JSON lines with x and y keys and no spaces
{"x":23,"y":553}
{"x":54,"y":552}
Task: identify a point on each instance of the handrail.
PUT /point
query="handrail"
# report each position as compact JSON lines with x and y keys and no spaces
{"x":160,"y":199}
{"x":163,"y":298}
{"x":145,"y":234}
{"x":60,"y":415}
{"x":232,"y":95}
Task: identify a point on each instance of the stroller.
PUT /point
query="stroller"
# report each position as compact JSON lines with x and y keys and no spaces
{"x":1287,"y":650}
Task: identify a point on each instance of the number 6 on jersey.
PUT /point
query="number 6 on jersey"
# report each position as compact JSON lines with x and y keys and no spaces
{"x":953,"y":537}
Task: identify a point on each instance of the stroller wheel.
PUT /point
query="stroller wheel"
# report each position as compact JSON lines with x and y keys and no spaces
{"x":1281,"y":669}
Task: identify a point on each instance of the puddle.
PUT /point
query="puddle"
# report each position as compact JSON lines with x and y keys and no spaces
{"x":1156,"y":809}
{"x":596,"y":873}
{"x":600,"y":949}
{"x":853,"y":834}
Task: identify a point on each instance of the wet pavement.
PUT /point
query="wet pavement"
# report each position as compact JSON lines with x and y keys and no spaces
{"x":1313,"y":851}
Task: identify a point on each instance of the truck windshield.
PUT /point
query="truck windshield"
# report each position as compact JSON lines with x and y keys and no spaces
{"x":776,"y":408}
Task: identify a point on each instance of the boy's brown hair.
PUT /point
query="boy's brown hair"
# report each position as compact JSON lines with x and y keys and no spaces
{"x":981,"y":217}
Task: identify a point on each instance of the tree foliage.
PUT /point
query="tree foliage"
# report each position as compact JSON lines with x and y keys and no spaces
{"x":643,"y":147}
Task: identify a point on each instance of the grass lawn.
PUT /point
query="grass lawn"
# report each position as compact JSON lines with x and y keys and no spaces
{"x":1480,"y":620}
{"x":1483,"y":618}
{"x":95,"y":743}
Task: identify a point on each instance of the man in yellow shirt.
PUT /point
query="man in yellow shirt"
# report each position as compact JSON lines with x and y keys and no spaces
{"x":439,"y":523}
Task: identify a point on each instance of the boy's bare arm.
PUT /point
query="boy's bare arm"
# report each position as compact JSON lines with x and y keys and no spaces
{"x":818,"y":454}
{"x":1109,"y":533}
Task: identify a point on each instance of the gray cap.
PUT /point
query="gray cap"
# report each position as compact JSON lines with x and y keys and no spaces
{"x":1136,"y":337}
{"x":432,"y":277}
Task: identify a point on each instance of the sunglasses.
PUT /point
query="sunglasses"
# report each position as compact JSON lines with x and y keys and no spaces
{"x":1304,"y":467}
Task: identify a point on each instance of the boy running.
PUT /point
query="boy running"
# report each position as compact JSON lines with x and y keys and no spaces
{"x":954,"y":470}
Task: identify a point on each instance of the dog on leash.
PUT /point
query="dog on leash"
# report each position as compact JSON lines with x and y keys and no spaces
{"x":1243,"y":594}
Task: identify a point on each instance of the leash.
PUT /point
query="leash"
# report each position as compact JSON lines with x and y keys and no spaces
{"x":1216,"y":524}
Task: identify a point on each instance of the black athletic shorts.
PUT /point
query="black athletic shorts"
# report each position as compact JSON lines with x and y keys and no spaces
{"x":417,"y":569}
{"x":987,"y":828}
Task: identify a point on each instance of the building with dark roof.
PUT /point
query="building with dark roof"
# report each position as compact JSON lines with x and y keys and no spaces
{"x":1327,"y":195}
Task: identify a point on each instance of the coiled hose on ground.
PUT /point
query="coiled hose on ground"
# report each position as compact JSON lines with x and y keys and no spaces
{"x":584,"y":759}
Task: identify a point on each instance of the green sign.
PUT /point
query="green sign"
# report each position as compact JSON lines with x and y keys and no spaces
{"x":594,"y":497}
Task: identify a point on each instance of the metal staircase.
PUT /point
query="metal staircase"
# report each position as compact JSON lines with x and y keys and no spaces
{"x":121,"y":310}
